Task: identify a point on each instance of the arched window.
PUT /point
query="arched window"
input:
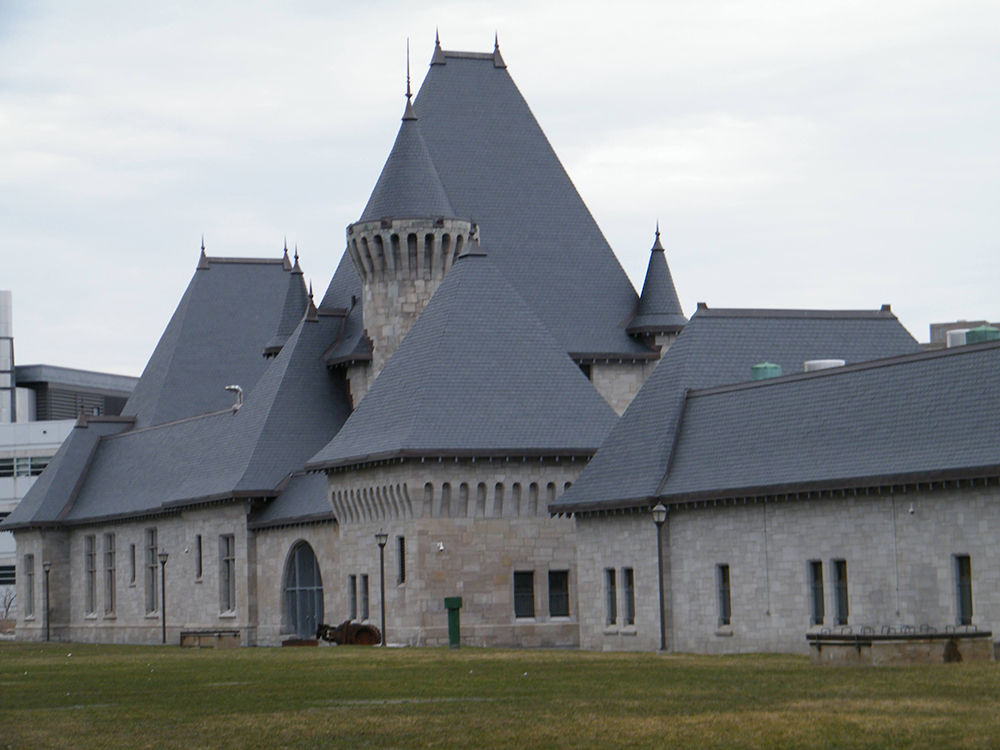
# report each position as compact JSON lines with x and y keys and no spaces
{"x":481,"y":500}
{"x":463,"y":500}
{"x":445,"y":500}
{"x":303,"y":592}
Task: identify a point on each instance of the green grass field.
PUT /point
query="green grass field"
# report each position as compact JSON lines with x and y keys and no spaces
{"x":76,"y":696}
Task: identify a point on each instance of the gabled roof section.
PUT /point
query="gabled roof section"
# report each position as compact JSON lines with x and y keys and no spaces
{"x":229,"y":312}
{"x":478,"y":374}
{"x":498,"y":169}
{"x":719,"y":347}
{"x":302,"y":500}
{"x":921,"y":417}
{"x":659,"y":309}
{"x":344,"y":293}
{"x":54,"y":491}
{"x":294,"y":409}
{"x":409,"y":185}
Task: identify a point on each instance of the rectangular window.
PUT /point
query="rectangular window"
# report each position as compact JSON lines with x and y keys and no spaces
{"x":109,"y":574}
{"x":6,"y":467}
{"x":352,"y":592}
{"x":725,"y":602}
{"x":365,"y":612}
{"x":611,"y":596}
{"x":963,"y":586}
{"x":628,"y":583}
{"x":198,"y":570}
{"x":29,"y":585}
{"x":400,"y":559}
{"x":227,"y":572}
{"x":558,"y":593}
{"x":816,"y":592}
{"x":131,"y":565}
{"x":524,"y":593}
{"x":842,"y":612}
{"x":152,"y":596}
{"x":90,"y":565}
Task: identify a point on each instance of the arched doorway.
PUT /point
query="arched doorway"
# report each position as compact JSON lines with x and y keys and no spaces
{"x":303,"y":592}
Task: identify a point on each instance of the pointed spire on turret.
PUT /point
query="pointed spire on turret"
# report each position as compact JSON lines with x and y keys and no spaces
{"x":203,"y":260}
{"x":497,"y":58}
{"x":296,"y":268}
{"x":312,"y":314}
{"x":438,"y":56}
{"x":659,"y":309}
{"x":286,"y":264}
{"x":408,"y":113}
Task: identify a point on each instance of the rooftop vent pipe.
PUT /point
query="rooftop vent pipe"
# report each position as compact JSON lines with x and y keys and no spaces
{"x":239,"y":396}
{"x":813,"y":365}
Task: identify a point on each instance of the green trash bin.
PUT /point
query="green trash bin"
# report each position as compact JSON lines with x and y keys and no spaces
{"x":453,"y":604}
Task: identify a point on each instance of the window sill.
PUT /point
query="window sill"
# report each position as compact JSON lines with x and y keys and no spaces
{"x":525,"y":620}
{"x":629,"y":630}
{"x":560,"y":618}
{"x":152,"y":615}
{"x":29,"y":618}
{"x":197,"y":580}
{"x":610,"y":630}
{"x":230,"y":615}
{"x":90,"y":616}
{"x":110,"y":616}
{"x":724,"y":631}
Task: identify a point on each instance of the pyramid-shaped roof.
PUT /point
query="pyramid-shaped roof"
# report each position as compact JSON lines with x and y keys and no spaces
{"x":478,"y":374}
{"x":296,"y":303}
{"x":409,"y":185}
{"x":659,"y":308}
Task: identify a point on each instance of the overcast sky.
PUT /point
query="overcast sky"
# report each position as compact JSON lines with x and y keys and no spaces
{"x":797,"y":154}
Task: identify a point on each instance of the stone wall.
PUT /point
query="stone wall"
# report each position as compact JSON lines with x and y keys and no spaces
{"x":619,"y":382}
{"x":768,"y":548}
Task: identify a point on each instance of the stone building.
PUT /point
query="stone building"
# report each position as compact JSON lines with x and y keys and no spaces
{"x":472,"y":353}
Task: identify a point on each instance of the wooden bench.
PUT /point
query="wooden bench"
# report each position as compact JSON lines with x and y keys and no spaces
{"x":210,"y":638}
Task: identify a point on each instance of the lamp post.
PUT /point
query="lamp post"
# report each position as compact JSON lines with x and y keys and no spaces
{"x":659,"y":518}
{"x":381,"y":537}
{"x":46,"y":566}
{"x":163,"y":593}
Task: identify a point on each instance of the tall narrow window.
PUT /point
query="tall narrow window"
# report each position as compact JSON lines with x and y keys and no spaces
{"x":558,"y":593}
{"x":840,"y":592}
{"x":198,"y":569}
{"x":29,"y":585}
{"x":963,"y":586}
{"x":90,"y":561}
{"x":725,"y":603}
{"x":400,"y":559}
{"x":816,"y":592}
{"x":524,"y":593}
{"x":227,"y":572}
{"x":365,"y":611}
{"x":109,"y":574}
{"x":131,"y":565}
{"x":352,"y":592}
{"x":611,"y":597}
{"x":151,"y":573}
{"x":628,"y":583}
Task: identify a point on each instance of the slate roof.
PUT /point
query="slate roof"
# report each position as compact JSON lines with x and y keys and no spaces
{"x":292,"y":411}
{"x":296,"y":302}
{"x":498,"y":170}
{"x":478,"y":374}
{"x":659,"y":308}
{"x":344,"y":293}
{"x":409,"y":185}
{"x":302,"y":500}
{"x":719,"y":347}
{"x":927,"y":416}
{"x":229,"y":312}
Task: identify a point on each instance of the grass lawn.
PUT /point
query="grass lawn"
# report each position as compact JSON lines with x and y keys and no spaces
{"x":353,"y":697}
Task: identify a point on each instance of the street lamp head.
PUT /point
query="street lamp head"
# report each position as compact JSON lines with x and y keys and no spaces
{"x":46,"y":566}
{"x":163,"y":558}
{"x":381,"y":537}
{"x":660,"y":514}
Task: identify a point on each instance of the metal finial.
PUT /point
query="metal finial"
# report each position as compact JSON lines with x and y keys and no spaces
{"x":296,"y":252}
{"x":437,"y":37}
{"x":408,"y":94}
{"x":203,"y":242}
{"x":657,"y":229}
{"x":310,"y":290}
{"x":286,"y":244}
{"x":496,"y":41}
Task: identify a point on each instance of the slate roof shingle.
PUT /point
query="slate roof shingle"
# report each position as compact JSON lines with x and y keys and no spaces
{"x":659,"y":308}
{"x":719,"y":347}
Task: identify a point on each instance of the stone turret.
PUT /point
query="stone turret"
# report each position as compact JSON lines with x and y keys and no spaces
{"x":405,"y":242}
{"x":659,"y":318}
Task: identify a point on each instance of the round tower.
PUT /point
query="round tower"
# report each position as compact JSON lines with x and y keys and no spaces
{"x":405,"y":242}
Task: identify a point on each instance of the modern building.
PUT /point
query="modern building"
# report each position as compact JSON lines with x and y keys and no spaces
{"x":471,"y":355}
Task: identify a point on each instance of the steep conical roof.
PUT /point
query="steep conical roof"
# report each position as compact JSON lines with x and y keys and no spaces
{"x":296,"y":303}
{"x":478,"y":374}
{"x":659,"y":309}
{"x":409,"y":185}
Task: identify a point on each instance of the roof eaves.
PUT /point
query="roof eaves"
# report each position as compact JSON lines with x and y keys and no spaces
{"x":457,"y":453}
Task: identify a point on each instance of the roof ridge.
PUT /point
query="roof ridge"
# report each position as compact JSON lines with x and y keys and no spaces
{"x":871,"y":364}
{"x":151,"y":427}
{"x":765,"y":312}
{"x":227,"y":259}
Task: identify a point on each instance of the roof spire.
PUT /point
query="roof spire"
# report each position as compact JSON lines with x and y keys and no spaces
{"x":438,"y":57}
{"x":312,"y":313}
{"x":408,"y":113}
{"x":497,"y":59}
{"x":202,"y":243}
{"x":656,"y":244}
{"x":287,"y":264}
{"x":203,"y":260}
{"x":296,"y":268}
